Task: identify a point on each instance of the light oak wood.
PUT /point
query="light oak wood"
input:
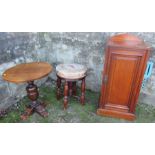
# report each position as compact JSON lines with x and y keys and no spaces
{"x":27,"y":72}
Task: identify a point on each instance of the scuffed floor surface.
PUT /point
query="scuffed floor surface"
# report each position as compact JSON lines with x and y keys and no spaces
{"x":75,"y":113}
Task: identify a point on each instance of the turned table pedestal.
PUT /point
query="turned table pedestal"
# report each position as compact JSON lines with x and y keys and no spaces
{"x":29,"y":72}
{"x":71,"y":73}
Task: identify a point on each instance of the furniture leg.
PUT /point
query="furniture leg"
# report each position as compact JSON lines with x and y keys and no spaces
{"x":83,"y":85}
{"x":70,"y":89}
{"x":58,"y":87}
{"x":65,"y":95}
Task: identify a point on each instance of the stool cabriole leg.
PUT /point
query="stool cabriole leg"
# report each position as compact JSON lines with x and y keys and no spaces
{"x":65,"y":95}
{"x":83,"y":85}
{"x":58,"y":88}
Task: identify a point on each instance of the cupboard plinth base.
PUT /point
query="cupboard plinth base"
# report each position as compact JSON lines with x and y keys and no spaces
{"x":116,"y":114}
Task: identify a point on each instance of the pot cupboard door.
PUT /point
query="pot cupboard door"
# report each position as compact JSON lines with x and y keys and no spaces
{"x":121,"y":79}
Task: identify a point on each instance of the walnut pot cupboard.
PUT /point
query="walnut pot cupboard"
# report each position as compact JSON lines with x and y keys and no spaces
{"x":125,"y":63}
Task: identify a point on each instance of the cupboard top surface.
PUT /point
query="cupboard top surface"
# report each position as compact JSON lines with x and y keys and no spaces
{"x":127,"y":40}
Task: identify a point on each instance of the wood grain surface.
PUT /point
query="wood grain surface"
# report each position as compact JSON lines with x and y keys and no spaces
{"x":125,"y":64}
{"x":27,"y":72}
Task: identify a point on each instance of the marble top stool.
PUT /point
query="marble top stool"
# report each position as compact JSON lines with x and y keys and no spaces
{"x":70,"y":73}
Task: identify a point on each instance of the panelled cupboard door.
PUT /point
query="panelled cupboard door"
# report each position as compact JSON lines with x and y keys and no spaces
{"x":123,"y":74}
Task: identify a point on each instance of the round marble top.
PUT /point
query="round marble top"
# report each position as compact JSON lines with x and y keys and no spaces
{"x":71,"y":71}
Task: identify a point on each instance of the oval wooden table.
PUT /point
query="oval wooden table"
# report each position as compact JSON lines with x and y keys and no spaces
{"x":29,"y":72}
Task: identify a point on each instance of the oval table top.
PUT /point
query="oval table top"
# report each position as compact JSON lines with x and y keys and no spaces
{"x":27,"y":72}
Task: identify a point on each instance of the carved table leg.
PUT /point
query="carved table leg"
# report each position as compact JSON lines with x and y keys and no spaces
{"x":35,"y":106}
{"x":70,"y":88}
{"x":65,"y":95}
{"x":74,"y":88}
{"x":83,"y":85}
{"x":58,"y":87}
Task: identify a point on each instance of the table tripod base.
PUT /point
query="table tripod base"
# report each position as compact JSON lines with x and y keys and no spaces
{"x":35,"y":106}
{"x":40,"y":109}
{"x":28,"y":112}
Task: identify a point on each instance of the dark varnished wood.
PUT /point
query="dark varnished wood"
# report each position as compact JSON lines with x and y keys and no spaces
{"x":82,"y":99}
{"x":28,"y":72}
{"x":58,"y":88}
{"x":35,"y":105}
{"x":65,"y":95}
{"x":70,"y":90}
{"x":125,"y":63}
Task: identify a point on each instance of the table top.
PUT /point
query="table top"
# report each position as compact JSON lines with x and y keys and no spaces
{"x":27,"y":72}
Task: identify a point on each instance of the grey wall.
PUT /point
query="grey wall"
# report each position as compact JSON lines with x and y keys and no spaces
{"x":15,"y":48}
{"x":55,"y":48}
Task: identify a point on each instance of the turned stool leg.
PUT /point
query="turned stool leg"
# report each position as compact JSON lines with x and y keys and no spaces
{"x":83,"y":85}
{"x":58,"y":87}
{"x":65,"y":95}
{"x":70,"y":88}
{"x":74,"y":88}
